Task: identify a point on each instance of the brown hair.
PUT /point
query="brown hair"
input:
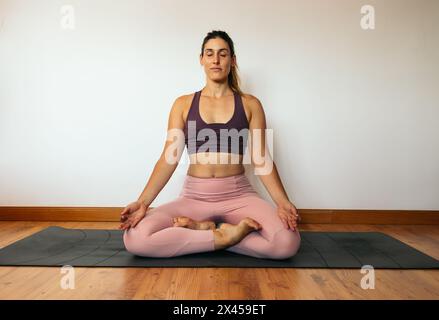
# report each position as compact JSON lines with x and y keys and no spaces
{"x":233,"y":77}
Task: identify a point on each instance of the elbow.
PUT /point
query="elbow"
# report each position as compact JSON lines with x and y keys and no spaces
{"x":264,"y":170}
{"x":262,"y":165}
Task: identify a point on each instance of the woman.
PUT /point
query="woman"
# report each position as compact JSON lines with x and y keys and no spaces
{"x":217,"y":190}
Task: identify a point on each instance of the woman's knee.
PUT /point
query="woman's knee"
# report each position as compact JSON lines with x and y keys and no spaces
{"x":132,"y":241}
{"x":286,"y":243}
{"x":135,"y":239}
{"x":140,"y":245}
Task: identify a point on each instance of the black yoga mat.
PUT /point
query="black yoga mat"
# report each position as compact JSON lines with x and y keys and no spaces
{"x":57,"y":246}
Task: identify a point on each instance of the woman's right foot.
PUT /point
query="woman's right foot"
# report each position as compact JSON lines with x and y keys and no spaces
{"x":229,"y":234}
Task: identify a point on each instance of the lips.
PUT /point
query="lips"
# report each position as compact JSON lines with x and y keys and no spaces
{"x":216,"y":69}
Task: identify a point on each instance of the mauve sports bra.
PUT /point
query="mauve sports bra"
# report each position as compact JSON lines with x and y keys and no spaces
{"x":229,"y":137}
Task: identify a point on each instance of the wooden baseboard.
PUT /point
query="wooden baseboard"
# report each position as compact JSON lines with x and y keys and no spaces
{"x":314,"y":216}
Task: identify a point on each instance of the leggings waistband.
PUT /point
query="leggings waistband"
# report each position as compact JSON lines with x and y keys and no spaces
{"x":216,"y":188}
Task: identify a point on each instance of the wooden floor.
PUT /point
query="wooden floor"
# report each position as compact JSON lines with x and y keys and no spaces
{"x":221,"y":283}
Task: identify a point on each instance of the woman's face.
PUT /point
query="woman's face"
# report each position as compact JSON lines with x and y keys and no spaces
{"x":217,"y":59}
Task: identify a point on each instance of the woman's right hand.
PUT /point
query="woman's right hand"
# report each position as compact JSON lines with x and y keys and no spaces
{"x":132,"y":214}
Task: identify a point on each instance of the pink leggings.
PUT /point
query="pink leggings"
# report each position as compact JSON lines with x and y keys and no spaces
{"x":227,"y":199}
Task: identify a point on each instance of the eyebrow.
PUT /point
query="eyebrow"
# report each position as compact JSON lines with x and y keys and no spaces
{"x":218,"y":50}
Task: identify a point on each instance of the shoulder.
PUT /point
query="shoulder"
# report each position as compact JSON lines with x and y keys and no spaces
{"x":181,"y":105}
{"x":251,"y":100}
{"x":183,"y":100}
{"x":253,"y":104}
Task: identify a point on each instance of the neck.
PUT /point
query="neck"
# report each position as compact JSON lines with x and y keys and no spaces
{"x":217,"y":90}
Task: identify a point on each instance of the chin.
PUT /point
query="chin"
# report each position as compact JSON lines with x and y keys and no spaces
{"x":218,"y":77}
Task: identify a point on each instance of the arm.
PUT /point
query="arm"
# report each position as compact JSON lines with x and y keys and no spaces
{"x":265,"y":166}
{"x":171,"y":154}
{"x":260,"y":157}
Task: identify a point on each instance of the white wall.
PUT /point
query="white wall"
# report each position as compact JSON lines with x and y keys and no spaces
{"x":83,"y":112}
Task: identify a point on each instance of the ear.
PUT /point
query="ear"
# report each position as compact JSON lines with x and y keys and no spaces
{"x":234,"y":60}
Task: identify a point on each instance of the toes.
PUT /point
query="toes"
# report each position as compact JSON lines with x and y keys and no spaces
{"x":257,"y":226}
{"x":181,"y":221}
{"x":177,"y":222}
{"x":254,"y":224}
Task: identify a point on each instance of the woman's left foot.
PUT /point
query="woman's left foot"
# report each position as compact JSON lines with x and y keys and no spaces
{"x":189,"y":223}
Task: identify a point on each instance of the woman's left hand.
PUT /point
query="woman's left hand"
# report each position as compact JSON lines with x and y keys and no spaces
{"x":288,"y":214}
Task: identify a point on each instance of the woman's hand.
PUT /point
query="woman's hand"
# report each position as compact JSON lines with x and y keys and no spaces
{"x":132,"y":214}
{"x":288,"y":214}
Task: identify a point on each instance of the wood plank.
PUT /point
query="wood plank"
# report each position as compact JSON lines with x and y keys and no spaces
{"x":309,"y":216}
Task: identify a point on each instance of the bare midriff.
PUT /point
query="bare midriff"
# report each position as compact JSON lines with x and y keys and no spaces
{"x":215,"y":165}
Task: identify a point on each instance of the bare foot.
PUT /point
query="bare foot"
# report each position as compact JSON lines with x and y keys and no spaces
{"x":189,"y":223}
{"x":229,"y":234}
